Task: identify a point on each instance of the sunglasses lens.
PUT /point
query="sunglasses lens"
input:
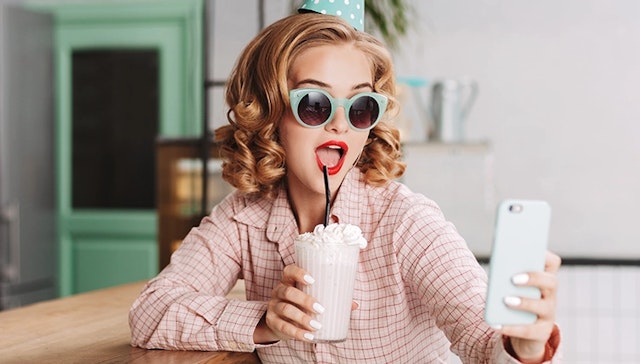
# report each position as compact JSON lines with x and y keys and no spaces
{"x":364,"y":112}
{"x":314,"y":108}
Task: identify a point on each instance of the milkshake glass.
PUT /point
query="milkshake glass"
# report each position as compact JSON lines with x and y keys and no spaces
{"x":330,"y":255}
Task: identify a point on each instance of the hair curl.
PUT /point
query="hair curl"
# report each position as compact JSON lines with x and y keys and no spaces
{"x":257,"y":96}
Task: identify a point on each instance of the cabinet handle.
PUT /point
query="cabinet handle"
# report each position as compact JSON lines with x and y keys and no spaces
{"x":10,"y":217}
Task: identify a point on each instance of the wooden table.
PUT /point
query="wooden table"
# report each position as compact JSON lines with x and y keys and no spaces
{"x":89,"y":328}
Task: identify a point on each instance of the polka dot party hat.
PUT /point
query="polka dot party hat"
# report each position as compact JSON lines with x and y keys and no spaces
{"x":350,"y":10}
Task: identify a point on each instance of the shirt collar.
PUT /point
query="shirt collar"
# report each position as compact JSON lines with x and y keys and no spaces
{"x":276,"y":217}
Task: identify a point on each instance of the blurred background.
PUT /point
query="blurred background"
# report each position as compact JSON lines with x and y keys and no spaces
{"x":500,"y":99}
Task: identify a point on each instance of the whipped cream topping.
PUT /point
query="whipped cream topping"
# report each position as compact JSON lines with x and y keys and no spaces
{"x":334,"y":234}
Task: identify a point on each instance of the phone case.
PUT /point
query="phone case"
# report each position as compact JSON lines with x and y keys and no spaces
{"x":519,"y":246}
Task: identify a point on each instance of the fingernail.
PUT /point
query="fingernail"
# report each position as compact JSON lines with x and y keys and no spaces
{"x":309,"y":279}
{"x":512,"y":301}
{"x":308,"y":336}
{"x":497,"y":327}
{"x":318,"y":307}
{"x":315,"y":324}
{"x":357,"y":304}
{"x":521,"y":278}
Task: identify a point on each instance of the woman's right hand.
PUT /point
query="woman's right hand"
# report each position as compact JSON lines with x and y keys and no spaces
{"x":290,"y":311}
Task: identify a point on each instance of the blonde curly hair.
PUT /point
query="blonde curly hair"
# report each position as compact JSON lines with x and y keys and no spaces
{"x":257,"y":96}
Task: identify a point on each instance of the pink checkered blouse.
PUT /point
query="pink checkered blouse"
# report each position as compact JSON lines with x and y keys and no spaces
{"x":420,"y":289}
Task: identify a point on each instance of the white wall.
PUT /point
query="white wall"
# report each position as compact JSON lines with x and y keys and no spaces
{"x":559,"y":101}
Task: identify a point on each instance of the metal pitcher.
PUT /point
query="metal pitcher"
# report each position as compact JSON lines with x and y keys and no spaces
{"x":451,"y":101}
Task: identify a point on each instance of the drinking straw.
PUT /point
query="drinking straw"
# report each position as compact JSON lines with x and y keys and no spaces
{"x":327,"y":194}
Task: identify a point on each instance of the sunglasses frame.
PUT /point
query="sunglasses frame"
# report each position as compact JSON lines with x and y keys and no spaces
{"x":296,"y":95}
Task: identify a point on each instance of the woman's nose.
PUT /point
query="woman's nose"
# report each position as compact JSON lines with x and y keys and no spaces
{"x":338,"y":123}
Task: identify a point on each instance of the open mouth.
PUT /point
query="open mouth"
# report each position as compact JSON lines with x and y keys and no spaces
{"x":331,"y":154}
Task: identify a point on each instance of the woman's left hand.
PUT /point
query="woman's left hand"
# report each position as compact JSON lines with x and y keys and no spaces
{"x":528,"y":341}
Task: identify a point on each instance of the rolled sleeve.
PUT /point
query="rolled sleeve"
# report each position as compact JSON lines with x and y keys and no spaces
{"x":237,"y":323}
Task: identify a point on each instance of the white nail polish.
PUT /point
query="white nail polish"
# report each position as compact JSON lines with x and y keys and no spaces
{"x":315,"y":324}
{"x":308,"y":336}
{"x":512,"y":301}
{"x":521,"y":278}
{"x":309,"y":279}
{"x":318,"y":307}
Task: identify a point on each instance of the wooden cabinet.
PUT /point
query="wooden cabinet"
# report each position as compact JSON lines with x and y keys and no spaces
{"x":127,"y":71}
{"x":185,"y":193}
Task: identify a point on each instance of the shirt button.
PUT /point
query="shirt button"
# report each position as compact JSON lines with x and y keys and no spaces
{"x":245,"y":347}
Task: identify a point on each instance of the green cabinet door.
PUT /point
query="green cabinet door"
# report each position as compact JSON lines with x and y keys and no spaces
{"x":127,"y":72}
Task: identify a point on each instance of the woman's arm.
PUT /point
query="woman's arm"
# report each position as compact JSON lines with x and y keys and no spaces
{"x":452,"y":286}
{"x":185,"y":307}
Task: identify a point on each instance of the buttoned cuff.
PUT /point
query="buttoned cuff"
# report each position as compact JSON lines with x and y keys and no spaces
{"x":237,"y":323}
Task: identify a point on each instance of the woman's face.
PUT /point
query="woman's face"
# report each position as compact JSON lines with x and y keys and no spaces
{"x":342,"y":71}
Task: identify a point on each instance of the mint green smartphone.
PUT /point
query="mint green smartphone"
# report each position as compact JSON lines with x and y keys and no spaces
{"x":519,"y":246}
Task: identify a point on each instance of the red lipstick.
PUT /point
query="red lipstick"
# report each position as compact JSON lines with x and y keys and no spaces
{"x":333,"y":145}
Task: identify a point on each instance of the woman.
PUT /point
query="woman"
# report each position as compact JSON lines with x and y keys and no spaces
{"x":310,"y":91}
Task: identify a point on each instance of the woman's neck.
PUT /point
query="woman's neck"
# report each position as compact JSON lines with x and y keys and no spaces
{"x":308,"y":209}
{"x":307,"y":214}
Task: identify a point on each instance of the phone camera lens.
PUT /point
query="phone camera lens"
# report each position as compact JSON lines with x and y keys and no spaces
{"x":515,"y":208}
